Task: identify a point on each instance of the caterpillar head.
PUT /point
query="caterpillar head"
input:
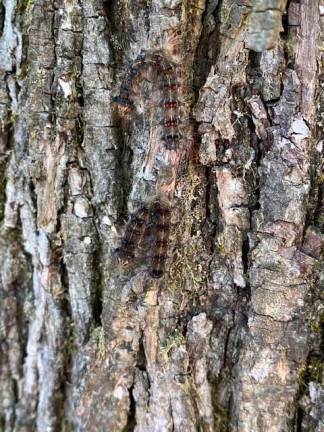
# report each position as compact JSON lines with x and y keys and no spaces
{"x":172,"y":46}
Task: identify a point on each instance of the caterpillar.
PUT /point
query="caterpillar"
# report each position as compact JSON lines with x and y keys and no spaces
{"x":156,"y":68}
{"x":133,"y":234}
{"x":162,"y":224}
{"x":151,"y":87}
{"x":158,"y":217}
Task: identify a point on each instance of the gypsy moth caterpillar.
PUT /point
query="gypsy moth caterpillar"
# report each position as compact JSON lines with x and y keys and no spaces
{"x":162,"y":224}
{"x":133,"y":234}
{"x":150,"y":224}
{"x":155,"y":68}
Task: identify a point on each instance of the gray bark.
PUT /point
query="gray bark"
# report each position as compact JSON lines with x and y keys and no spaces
{"x":230,"y":338}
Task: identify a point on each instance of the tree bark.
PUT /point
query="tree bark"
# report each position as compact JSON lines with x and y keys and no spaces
{"x":161,"y":209}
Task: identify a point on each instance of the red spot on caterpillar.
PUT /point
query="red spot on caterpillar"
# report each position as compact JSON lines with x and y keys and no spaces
{"x":170,"y":86}
{"x":171,"y":104}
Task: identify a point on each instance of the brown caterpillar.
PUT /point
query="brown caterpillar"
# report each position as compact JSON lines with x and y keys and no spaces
{"x":133,"y":234}
{"x":157,"y":69}
{"x":158,"y":217}
{"x":151,"y":88}
{"x":162,"y":222}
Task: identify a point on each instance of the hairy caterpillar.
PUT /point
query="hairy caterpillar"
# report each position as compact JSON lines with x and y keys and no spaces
{"x":157,"y":217}
{"x":155,"y":68}
{"x":133,"y":234}
{"x":152,"y":88}
{"x":162,"y":223}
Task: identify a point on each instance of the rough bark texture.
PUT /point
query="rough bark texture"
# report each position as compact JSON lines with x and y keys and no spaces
{"x":94,"y":204}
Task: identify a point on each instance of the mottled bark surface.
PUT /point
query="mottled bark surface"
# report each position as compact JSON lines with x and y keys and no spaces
{"x":230,"y":338}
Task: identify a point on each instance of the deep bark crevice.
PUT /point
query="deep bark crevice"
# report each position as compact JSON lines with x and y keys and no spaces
{"x":131,"y":419}
{"x":2,"y":18}
{"x":209,"y":40}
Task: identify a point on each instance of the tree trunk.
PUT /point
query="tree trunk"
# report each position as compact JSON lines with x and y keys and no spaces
{"x":161,"y":215}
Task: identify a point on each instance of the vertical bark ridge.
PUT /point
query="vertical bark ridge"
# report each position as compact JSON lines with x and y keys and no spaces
{"x":275,"y":347}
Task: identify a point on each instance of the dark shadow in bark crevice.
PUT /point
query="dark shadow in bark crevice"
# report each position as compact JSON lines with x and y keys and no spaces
{"x":120,"y":29}
{"x":124,"y":175}
{"x":131,"y":420}
{"x":212,"y":205}
{"x":97,"y":295}
{"x":2,"y":18}
{"x":221,"y":411}
{"x":209,"y":44}
{"x":314,"y":206}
